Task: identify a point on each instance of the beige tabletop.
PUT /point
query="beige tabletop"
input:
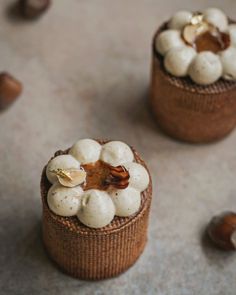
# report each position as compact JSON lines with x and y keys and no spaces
{"x":85,"y":68}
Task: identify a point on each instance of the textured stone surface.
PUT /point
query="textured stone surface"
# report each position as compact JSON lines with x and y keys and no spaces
{"x":85,"y":68}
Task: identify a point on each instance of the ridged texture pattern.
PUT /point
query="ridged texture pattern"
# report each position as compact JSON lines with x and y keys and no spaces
{"x":188,"y":111}
{"x":95,"y":254}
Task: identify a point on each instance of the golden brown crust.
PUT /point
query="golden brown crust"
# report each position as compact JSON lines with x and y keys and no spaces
{"x":93,"y":254}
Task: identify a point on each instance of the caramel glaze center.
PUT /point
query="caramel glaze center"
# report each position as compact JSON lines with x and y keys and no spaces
{"x":101,"y":176}
{"x":213,"y":42}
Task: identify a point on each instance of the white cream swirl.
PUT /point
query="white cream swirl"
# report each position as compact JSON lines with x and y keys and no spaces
{"x":96,"y":208}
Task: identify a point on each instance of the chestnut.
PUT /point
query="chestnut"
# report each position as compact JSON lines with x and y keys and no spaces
{"x":33,"y":8}
{"x":10,"y":89}
{"x":222,"y":230}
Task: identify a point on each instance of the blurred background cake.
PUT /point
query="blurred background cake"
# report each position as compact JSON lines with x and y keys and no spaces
{"x":193,"y":84}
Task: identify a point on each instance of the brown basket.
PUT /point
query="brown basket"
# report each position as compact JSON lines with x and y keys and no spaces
{"x":95,"y":254}
{"x":188,"y":111}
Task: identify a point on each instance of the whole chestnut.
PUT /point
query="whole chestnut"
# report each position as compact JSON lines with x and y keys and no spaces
{"x":33,"y":8}
{"x":10,"y":89}
{"x":222,"y":230}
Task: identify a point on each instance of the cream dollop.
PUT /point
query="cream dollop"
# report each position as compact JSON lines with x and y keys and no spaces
{"x":178,"y":60}
{"x":178,"y":46}
{"x":167,"y":40}
{"x":127,"y":201}
{"x":64,"y":201}
{"x":232,"y":33}
{"x":60,"y":162}
{"x":180,"y":19}
{"x":97,"y":209}
{"x":217,"y":18}
{"x":228,"y":60}
{"x":116,"y":153}
{"x":233,"y":238}
{"x":206,"y":68}
{"x":139,"y":177}
{"x":86,"y":151}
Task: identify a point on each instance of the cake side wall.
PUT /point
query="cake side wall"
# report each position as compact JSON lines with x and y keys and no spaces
{"x":95,"y":254}
{"x":95,"y":257}
{"x":191,"y":116}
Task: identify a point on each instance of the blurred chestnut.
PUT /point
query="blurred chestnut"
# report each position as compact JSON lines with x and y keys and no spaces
{"x":222,"y":230}
{"x":33,"y":8}
{"x":10,"y":89}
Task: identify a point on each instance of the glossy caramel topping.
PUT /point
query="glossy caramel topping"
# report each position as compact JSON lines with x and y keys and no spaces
{"x":101,"y":175}
{"x":213,"y":41}
{"x":203,"y":36}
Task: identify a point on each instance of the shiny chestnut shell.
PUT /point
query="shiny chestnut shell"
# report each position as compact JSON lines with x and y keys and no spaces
{"x":222,"y":230}
{"x":10,"y":89}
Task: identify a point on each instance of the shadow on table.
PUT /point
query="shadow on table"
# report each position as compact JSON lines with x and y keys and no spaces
{"x":213,"y":254}
{"x":28,"y":267}
{"x":140,"y":113}
{"x":14,"y":15}
{"x":13,"y":12}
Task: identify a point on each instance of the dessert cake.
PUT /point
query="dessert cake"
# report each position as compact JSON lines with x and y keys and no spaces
{"x":96,"y":198}
{"x":193,"y":85}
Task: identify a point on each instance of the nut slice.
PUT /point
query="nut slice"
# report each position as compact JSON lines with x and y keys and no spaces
{"x":118,"y":177}
{"x":191,"y":32}
{"x":70,"y":177}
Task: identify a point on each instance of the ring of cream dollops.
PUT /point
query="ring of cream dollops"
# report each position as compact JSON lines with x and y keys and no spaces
{"x":181,"y":59}
{"x":96,"y":208}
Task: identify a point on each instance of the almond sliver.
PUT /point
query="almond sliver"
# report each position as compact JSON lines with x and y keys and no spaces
{"x":73,"y":177}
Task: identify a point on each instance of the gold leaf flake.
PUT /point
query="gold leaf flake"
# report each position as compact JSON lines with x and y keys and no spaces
{"x":197,"y":19}
{"x":191,"y":32}
{"x":70,"y":177}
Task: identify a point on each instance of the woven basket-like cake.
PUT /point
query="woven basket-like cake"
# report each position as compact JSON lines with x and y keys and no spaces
{"x":94,"y":254}
{"x":188,"y":111}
